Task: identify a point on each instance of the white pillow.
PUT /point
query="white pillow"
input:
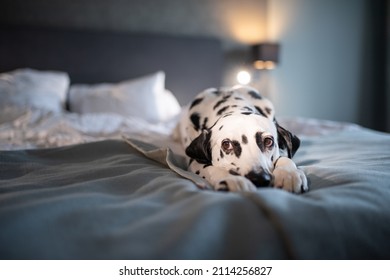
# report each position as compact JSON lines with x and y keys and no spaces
{"x":143,"y":97}
{"x":30,"y":88}
{"x":168,"y":105}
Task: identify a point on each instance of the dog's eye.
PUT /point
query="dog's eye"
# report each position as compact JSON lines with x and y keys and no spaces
{"x":226,"y":145}
{"x":268,"y":142}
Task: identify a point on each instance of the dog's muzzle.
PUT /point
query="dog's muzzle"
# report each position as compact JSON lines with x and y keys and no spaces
{"x":260,"y":179}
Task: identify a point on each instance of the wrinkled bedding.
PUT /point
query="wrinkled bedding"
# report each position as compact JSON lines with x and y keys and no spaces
{"x":107,"y":199}
{"x":34,"y":128}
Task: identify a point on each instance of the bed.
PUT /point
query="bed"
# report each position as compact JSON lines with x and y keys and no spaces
{"x":79,"y":180}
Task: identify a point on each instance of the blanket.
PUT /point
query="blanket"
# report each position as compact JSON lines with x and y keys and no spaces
{"x":112,"y":200}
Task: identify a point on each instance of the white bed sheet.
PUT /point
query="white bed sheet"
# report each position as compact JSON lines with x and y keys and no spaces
{"x":32,"y":128}
{"x":35,"y":128}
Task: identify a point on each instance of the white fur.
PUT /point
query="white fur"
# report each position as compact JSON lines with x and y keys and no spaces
{"x":241,"y":117}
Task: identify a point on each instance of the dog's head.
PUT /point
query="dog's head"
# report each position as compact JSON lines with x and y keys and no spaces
{"x":245,"y":145}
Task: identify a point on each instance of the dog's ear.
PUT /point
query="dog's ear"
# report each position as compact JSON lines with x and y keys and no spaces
{"x":200,"y":148}
{"x":287,"y":140}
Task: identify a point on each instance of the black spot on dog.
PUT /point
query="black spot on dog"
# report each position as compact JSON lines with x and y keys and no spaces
{"x":204,"y":125}
{"x":259,"y":141}
{"x":238,"y":98}
{"x":219,"y":103}
{"x":197,"y":172}
{"x":196,"y":102}
{"x":216,"y":92}
{"x":260,"y":111}
{"x":221,"y":153}
{"x":227,"y":95}
{"x":246,"y":113}
{"x":234,"y":106}
{"x":287,"y":140}
{"x":237,"y":148}
{"x":223,"y":183}
{"x":225,"y":188}
{"x":246,"y":108}
{"x":220,"y":127}
{"x":195,"y":120}
{"x":244,"y":139}
{"x":227,"y":115}
{"x":223,"y":109}
{"x":231,"y":171}
{"x":254,"y":94}
{"x":268,"y":110}
{"x":200,"y":148}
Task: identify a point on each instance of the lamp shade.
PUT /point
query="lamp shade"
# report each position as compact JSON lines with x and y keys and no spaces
{"x":265,"y":56}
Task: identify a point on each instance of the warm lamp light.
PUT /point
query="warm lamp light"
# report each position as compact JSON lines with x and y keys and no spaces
{"x":265,"y":56}
{"x":243,"y":77}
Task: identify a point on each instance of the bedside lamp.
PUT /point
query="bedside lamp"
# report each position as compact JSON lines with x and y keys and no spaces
{"x":265,"y":55}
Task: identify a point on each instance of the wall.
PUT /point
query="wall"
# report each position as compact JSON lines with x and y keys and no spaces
{"x":333,"y":60}
{"x":321,"y":57}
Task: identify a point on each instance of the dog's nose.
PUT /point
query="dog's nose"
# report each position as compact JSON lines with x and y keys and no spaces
{"x":261,"y":179}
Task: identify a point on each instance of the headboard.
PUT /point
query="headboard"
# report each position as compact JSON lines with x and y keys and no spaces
{"x":190,"y":63}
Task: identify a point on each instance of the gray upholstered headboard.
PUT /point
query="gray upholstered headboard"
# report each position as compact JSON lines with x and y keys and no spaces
{"x":191,"y":64}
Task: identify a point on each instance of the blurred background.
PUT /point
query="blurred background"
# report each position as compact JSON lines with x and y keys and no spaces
{"x":333,"y":57}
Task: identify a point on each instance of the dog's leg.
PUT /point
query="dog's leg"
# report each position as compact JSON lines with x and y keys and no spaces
{"x":288,"y":177}
{"x":220,"y":179}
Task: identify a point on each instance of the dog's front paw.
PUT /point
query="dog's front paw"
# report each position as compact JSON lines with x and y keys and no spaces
{"x":288,"y":177}
{"x":235,"y":184}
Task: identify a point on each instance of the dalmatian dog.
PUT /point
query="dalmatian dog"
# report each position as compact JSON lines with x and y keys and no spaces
{"x":233,"y":141}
